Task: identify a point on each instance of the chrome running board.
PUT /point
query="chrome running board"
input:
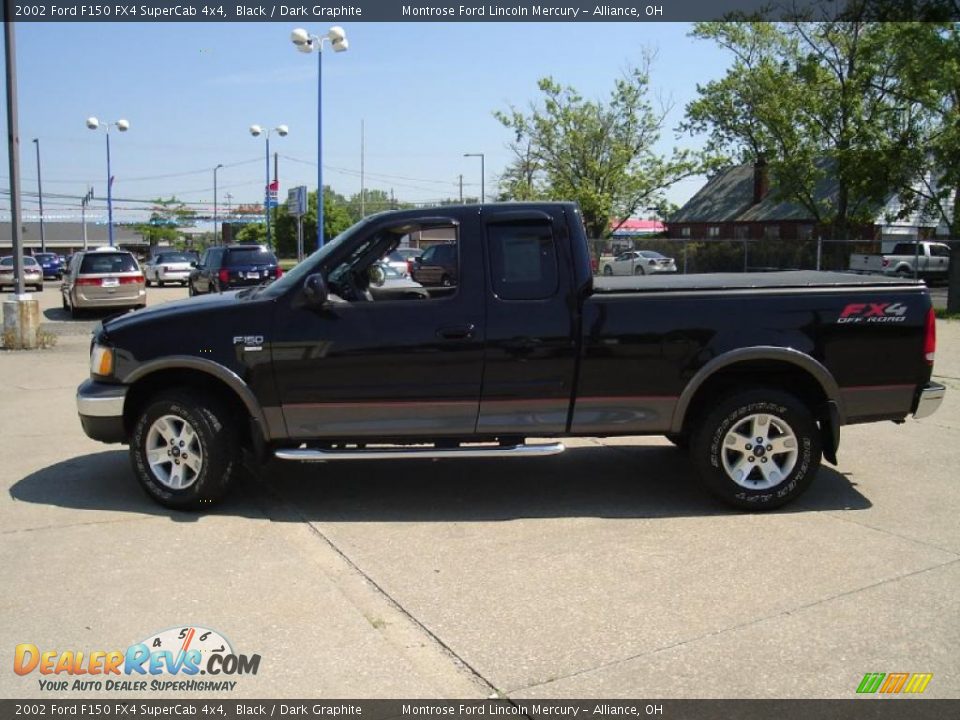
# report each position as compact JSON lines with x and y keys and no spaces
{"x":415,"y":453}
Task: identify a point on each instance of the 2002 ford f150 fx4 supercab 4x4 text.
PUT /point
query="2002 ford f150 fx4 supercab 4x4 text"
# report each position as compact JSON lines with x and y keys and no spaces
{"x":753,"y":373}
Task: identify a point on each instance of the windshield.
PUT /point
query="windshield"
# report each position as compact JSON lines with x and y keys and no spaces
{"x":107,"y":262}
{"x":313,"y":263}
{"x":45,"y":257}
{"x":27,"y":261}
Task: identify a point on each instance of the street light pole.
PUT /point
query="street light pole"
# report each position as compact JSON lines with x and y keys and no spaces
{"x":307,"y":43}
{"x":121,"y":125}
{"x":216,"y":238}
{"x":43,"y":242}
{"x":256,"y":131}
{"x":483,"y":175}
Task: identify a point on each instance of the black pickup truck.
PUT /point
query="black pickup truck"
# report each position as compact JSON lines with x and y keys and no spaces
{"x":753,"y":374}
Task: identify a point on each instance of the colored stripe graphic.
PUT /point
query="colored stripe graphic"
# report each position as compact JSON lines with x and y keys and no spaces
{"x":870,"y":682}
{"x":894,"y":683}
{"x":918,"y":682}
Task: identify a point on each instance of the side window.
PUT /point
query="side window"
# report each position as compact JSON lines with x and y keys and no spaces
{"x":939,"y":251}
{"x":427,"y":256}
{"x":523,"y":260}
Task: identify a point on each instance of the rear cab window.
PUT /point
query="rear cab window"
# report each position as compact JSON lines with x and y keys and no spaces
{"x":523,"y":260}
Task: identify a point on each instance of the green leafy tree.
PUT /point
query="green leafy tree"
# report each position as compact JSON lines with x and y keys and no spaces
{"x":251,"y":233}
{"x":166,"y":219}
{"x":597,"y":152}
{"x":336,"y":219}
{"x":819,"y":103}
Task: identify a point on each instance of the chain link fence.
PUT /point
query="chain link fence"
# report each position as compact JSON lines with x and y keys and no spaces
{"x":708,"y":255}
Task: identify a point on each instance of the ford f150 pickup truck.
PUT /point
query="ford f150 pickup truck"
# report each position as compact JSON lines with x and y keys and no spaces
{"x":931,"y":259}
{"x":753,"y":374}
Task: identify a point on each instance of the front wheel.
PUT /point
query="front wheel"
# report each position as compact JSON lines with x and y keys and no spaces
{"x":607,"y":270}
{"x":184,"y":450}
{"x":757,"y":449}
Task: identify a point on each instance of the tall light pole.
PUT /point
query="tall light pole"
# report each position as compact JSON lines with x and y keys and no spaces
{"x":257,"y":131}
{"x":121,"y":125}
{"x":483,"y":175}
{"x":43,"y":241}
{"x":307,"y":43}
{"x":216,"y":235}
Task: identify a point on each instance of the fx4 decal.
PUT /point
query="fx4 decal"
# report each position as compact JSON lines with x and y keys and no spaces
{"x":871,"y":312}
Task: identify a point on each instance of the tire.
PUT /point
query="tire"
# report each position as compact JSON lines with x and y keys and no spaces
{"x":160,"y":283}
{"x":720,"y":445}
{"x":445,"y":281}
{"x":75,"y":312}
{"x":63,"y":301}
{"x":146,"y":281}
{"x":38,"y":288}
{"x":190,"y":290}
{"x":172,"y":415}
{"x":638,"y":270}
{"x":607,"y":270}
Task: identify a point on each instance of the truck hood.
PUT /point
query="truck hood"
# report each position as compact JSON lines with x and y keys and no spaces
{"x":189,"y":307}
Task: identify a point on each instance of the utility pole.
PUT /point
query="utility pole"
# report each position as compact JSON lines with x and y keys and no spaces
{"x":363,"y":193}
{"x":21,"y":314}
{"x":84,"y":201}
{"x":461,"y":187}
{"x":43,"y":241}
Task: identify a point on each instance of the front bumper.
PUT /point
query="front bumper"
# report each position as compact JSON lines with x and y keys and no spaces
{"x":929,"y":400}
{"x":100,"y":407}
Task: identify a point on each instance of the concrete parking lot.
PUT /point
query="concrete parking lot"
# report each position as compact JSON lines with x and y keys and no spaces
{"x":603,"y":572}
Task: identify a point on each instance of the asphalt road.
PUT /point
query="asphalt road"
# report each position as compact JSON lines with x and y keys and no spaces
{"x":605,"y":571}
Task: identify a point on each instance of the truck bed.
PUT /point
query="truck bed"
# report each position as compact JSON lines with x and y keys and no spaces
{"x":791,"y":279}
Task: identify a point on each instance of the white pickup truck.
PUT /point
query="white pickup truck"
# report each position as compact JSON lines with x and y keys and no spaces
{"x":931,"y":259}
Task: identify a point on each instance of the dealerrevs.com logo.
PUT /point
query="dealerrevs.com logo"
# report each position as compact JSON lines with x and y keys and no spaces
{"x":170,"y":660}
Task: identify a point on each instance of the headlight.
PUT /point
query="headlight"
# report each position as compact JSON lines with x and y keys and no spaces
{"x":101,"y":360}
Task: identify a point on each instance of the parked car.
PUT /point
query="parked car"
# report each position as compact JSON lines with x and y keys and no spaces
{"x":233,"y":266}
{"x":398,"y":262}
{"x":52,"y":265}
{"x":168,"y":267}
{"x":934,"y":260}
{"x":639,"y":262}
{"x":312,"y":369}
{"x":388,"y":283}
{"x":436,"y":266}
{"x":32,"y":273}
{"x":103,"y":278}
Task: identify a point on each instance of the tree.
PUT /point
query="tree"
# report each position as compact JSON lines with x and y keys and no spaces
{"x":599,"y":153}
{"x":251,"y":233}
{"x":818,"y":102}
{"x":336,"y":219}
{"x":166,"y":217}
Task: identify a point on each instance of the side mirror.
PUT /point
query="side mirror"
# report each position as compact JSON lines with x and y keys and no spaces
{"x":315,"y":289}
{"x":193,"y":263}
{"x":377,"y":276}
{"x":418,"y":259}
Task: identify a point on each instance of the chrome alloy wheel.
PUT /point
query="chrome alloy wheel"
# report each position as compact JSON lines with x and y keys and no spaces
{"x":174,"y":453}
{"x":759,"y":452}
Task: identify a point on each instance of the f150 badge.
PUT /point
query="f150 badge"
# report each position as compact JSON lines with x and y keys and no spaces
{"x":871,"y":312}
{"x":251,"y":343}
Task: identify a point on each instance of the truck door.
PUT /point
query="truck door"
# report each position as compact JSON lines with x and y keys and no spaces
{"x":387,"y":368}
{"x":530,"y":355}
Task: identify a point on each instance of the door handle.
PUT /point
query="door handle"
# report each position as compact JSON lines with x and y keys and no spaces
{"x":456,"y":332}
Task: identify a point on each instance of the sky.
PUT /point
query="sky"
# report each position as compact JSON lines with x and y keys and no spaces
{"x":425,"y":92}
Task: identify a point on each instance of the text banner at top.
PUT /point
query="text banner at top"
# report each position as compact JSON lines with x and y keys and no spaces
{"x":549,"y":11}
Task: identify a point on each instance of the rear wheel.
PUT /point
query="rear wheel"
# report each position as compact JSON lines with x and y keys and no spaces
{"x":445,"y":281}
{"x":607,"y":270}
{"x":184,"y":450}
{"x":160,"y":283}
{"x":757,"y":449}
{"x":638,"y":270}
